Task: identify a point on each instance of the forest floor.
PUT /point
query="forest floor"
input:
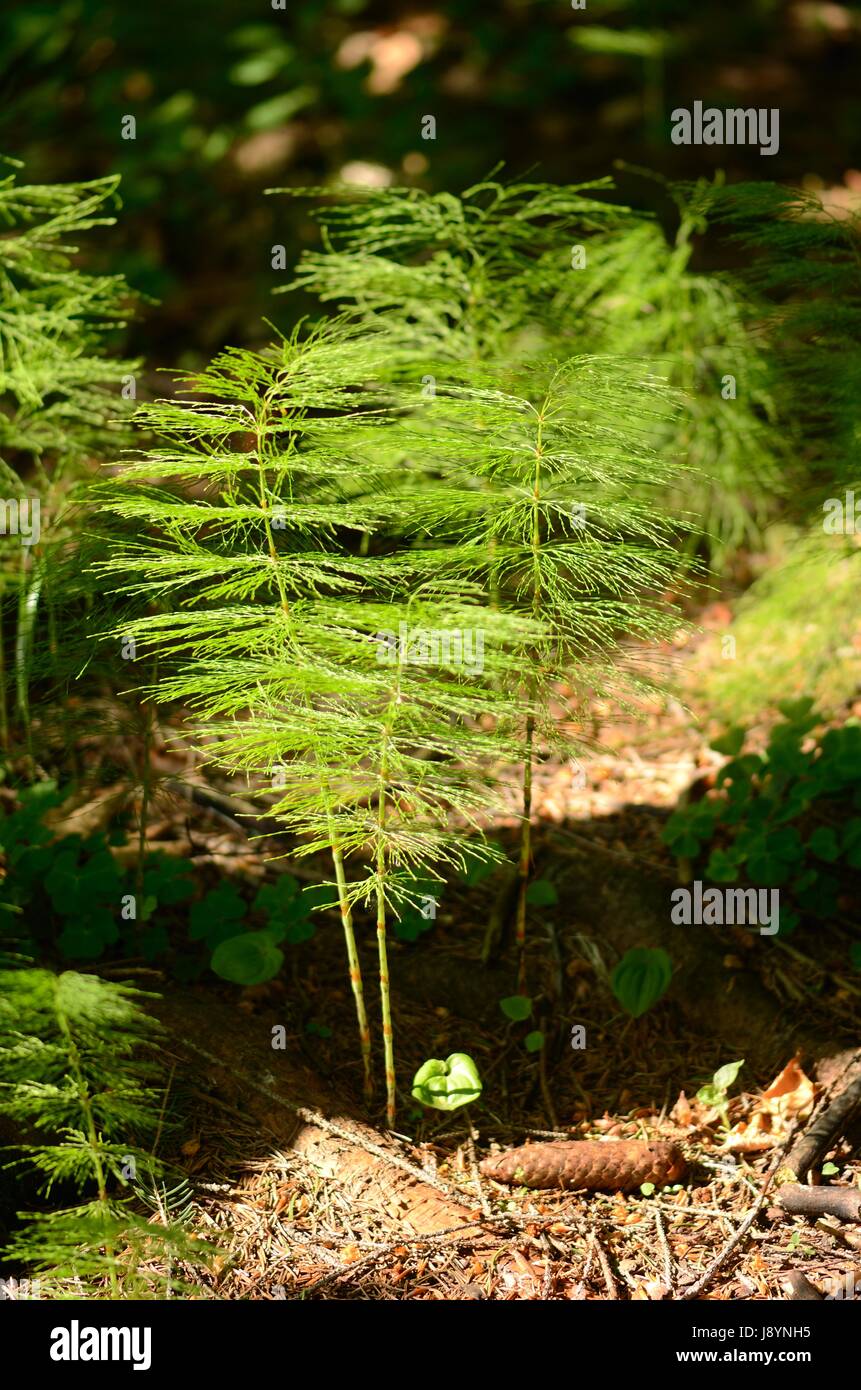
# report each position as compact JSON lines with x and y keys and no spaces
{"x":304,"y":1199}
{"x":302,"y":1191}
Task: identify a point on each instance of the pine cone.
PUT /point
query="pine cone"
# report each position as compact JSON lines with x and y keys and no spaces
{"x":599,"y":1165}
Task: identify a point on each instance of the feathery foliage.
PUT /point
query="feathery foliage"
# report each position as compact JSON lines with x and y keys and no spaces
{"x":72,"y":1069}
{"x":537,"y":486}
{"x":511,"y":271}
{"x":456,"y":279}
{"x":63,"y":401}
{"x":313,"y":646}
{"x":707,"y":333}
{"x":554,"y":475}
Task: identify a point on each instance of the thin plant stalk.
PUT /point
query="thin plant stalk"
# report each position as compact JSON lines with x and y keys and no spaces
{"x":353,"y":959}
{"x":146,"y":785}
{"x":382,"y":949}
{"x":355,"y":968}
{"x":4,"y":709}
{"x":86,"y":1103}
{"x":525,"y":857}
{"x":529,"y":744}
{"x":385,"y":994}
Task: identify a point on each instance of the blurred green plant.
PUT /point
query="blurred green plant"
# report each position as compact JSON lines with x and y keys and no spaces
{"x":77,"y":1066}
{"x":788,"y":817}
{"x":63,"y":401}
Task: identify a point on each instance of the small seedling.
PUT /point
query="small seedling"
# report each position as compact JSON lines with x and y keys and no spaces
{"x":447,"y":1085}
{"x":714,"y":1093}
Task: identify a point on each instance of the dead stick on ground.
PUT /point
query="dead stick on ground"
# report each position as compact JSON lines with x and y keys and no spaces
{"x":612,"y":1291}
{"x":547,"y":1281}
{"x":473,"y":1167}
{"x":842,"y":1202}
{"x":665,"y":1250}
{"x":549,"y":1107}
{"x":312,"y":1117}
{"x":828,"y":1122}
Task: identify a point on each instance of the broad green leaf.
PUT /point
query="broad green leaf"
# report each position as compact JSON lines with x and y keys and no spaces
{"x":301,"y":930}
{"x":795,"y":710}
{"x":447,"y":1085}
{"x":722,"y":866}
{"x":517,"y":1007}
{"x":731,"y":742}
{"x":823,"y":843}
{"x":477,"y":867}
{"x":541,"y":893}
{"x":273,"y":897}
{"x":411,"y":925}
{"x":726,"y":1075}
{"x":248,"y":959}
{"x":208,"y":916}
{"x":640,"y":979}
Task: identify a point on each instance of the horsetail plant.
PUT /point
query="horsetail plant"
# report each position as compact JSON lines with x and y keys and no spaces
{"x":305,"y":636}
{"x":455,"y":279}
{"x":510,"y":270}
{"x":543,"y":478}
{"x":74,"y":1067}
{"x":540,"y":470}
{"x":64,"y":402}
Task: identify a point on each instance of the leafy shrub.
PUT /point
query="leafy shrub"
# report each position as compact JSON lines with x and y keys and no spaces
{"x":69,"y":898}
{"x":69,"y":895}
{"x":787,"y":818}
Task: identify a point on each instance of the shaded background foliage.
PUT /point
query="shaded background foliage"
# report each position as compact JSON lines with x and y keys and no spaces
{"x":234,"y":97}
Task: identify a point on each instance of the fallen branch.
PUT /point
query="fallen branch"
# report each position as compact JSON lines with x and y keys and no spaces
{"x":828,"y":1124}
{"x":603,"y":1260}
{"x":842,"y":1202}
